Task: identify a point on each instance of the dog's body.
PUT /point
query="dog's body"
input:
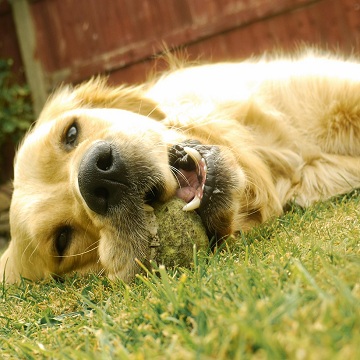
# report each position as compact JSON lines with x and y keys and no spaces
{"x":269,"y":132}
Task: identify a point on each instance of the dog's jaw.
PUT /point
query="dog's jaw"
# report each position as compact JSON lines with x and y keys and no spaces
{"x":124,"y":241}
{"x":206,"y":182}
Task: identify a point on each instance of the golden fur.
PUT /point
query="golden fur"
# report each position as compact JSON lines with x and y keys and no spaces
{"x":287,"y":129}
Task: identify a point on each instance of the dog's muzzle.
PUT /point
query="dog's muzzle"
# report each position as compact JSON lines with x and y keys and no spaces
{"x":102,"y":177}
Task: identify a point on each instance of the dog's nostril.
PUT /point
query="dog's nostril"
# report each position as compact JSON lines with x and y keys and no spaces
{"x":105,"y":161}
{"x":101,"y":193}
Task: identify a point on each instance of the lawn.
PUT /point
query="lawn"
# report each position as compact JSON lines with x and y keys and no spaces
{"x":288,"y":289}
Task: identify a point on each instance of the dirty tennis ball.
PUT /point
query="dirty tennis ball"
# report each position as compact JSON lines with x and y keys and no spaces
{"x":174,"y":234}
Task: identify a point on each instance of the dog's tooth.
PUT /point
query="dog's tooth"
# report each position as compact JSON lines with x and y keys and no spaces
{"x":193,"y":205}
{"x":203,"y":163}
{"x":194,"y":154}
{"x":148,"y":208}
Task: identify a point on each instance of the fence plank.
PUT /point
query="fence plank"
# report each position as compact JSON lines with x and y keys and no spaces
{"x":27,"y":40}
{"x":68,"y":41}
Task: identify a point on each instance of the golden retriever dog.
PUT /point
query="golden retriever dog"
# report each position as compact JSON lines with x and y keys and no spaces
{"x":235,"y":141}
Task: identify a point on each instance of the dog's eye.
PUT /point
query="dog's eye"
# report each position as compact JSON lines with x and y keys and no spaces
{"x":62,"y":239}
{"x":71,"y":136}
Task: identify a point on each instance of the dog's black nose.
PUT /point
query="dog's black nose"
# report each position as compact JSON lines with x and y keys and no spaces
{"x":102,"y":177}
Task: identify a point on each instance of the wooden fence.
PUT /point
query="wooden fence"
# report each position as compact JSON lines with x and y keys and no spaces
{"x":70,"y":40}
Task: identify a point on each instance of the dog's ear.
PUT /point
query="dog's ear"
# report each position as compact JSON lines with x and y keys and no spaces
{"x":96,"y":93}
{"x":260,"y":200}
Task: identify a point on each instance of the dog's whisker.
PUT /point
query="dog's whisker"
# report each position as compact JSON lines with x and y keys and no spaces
{"x":78,"y":254}
{"x":31,"y":254}
{"x":101,"y":272}
{"x":176,"y":171}
{"x":152,"y":111}
{"x":91,"y":246}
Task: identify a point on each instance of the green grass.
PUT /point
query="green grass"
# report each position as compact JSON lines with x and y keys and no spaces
{"x":289,"y":289}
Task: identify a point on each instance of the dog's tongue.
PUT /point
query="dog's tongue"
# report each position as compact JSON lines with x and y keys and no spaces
{"x":189,"y":183}
{"x":190,"y":169}
{"x":186,"y":194}
{"x":191,"y":186}
{"x":195,"y":175}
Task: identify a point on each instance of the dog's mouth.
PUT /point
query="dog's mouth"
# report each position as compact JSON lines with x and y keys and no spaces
{"x":203,"y":184}
{"x":195,"y":167}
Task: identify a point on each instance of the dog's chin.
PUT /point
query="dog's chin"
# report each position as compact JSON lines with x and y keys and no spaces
{"x":124,"y":237}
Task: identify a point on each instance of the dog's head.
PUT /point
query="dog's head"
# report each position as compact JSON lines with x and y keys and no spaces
{"x":85,"y":173}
